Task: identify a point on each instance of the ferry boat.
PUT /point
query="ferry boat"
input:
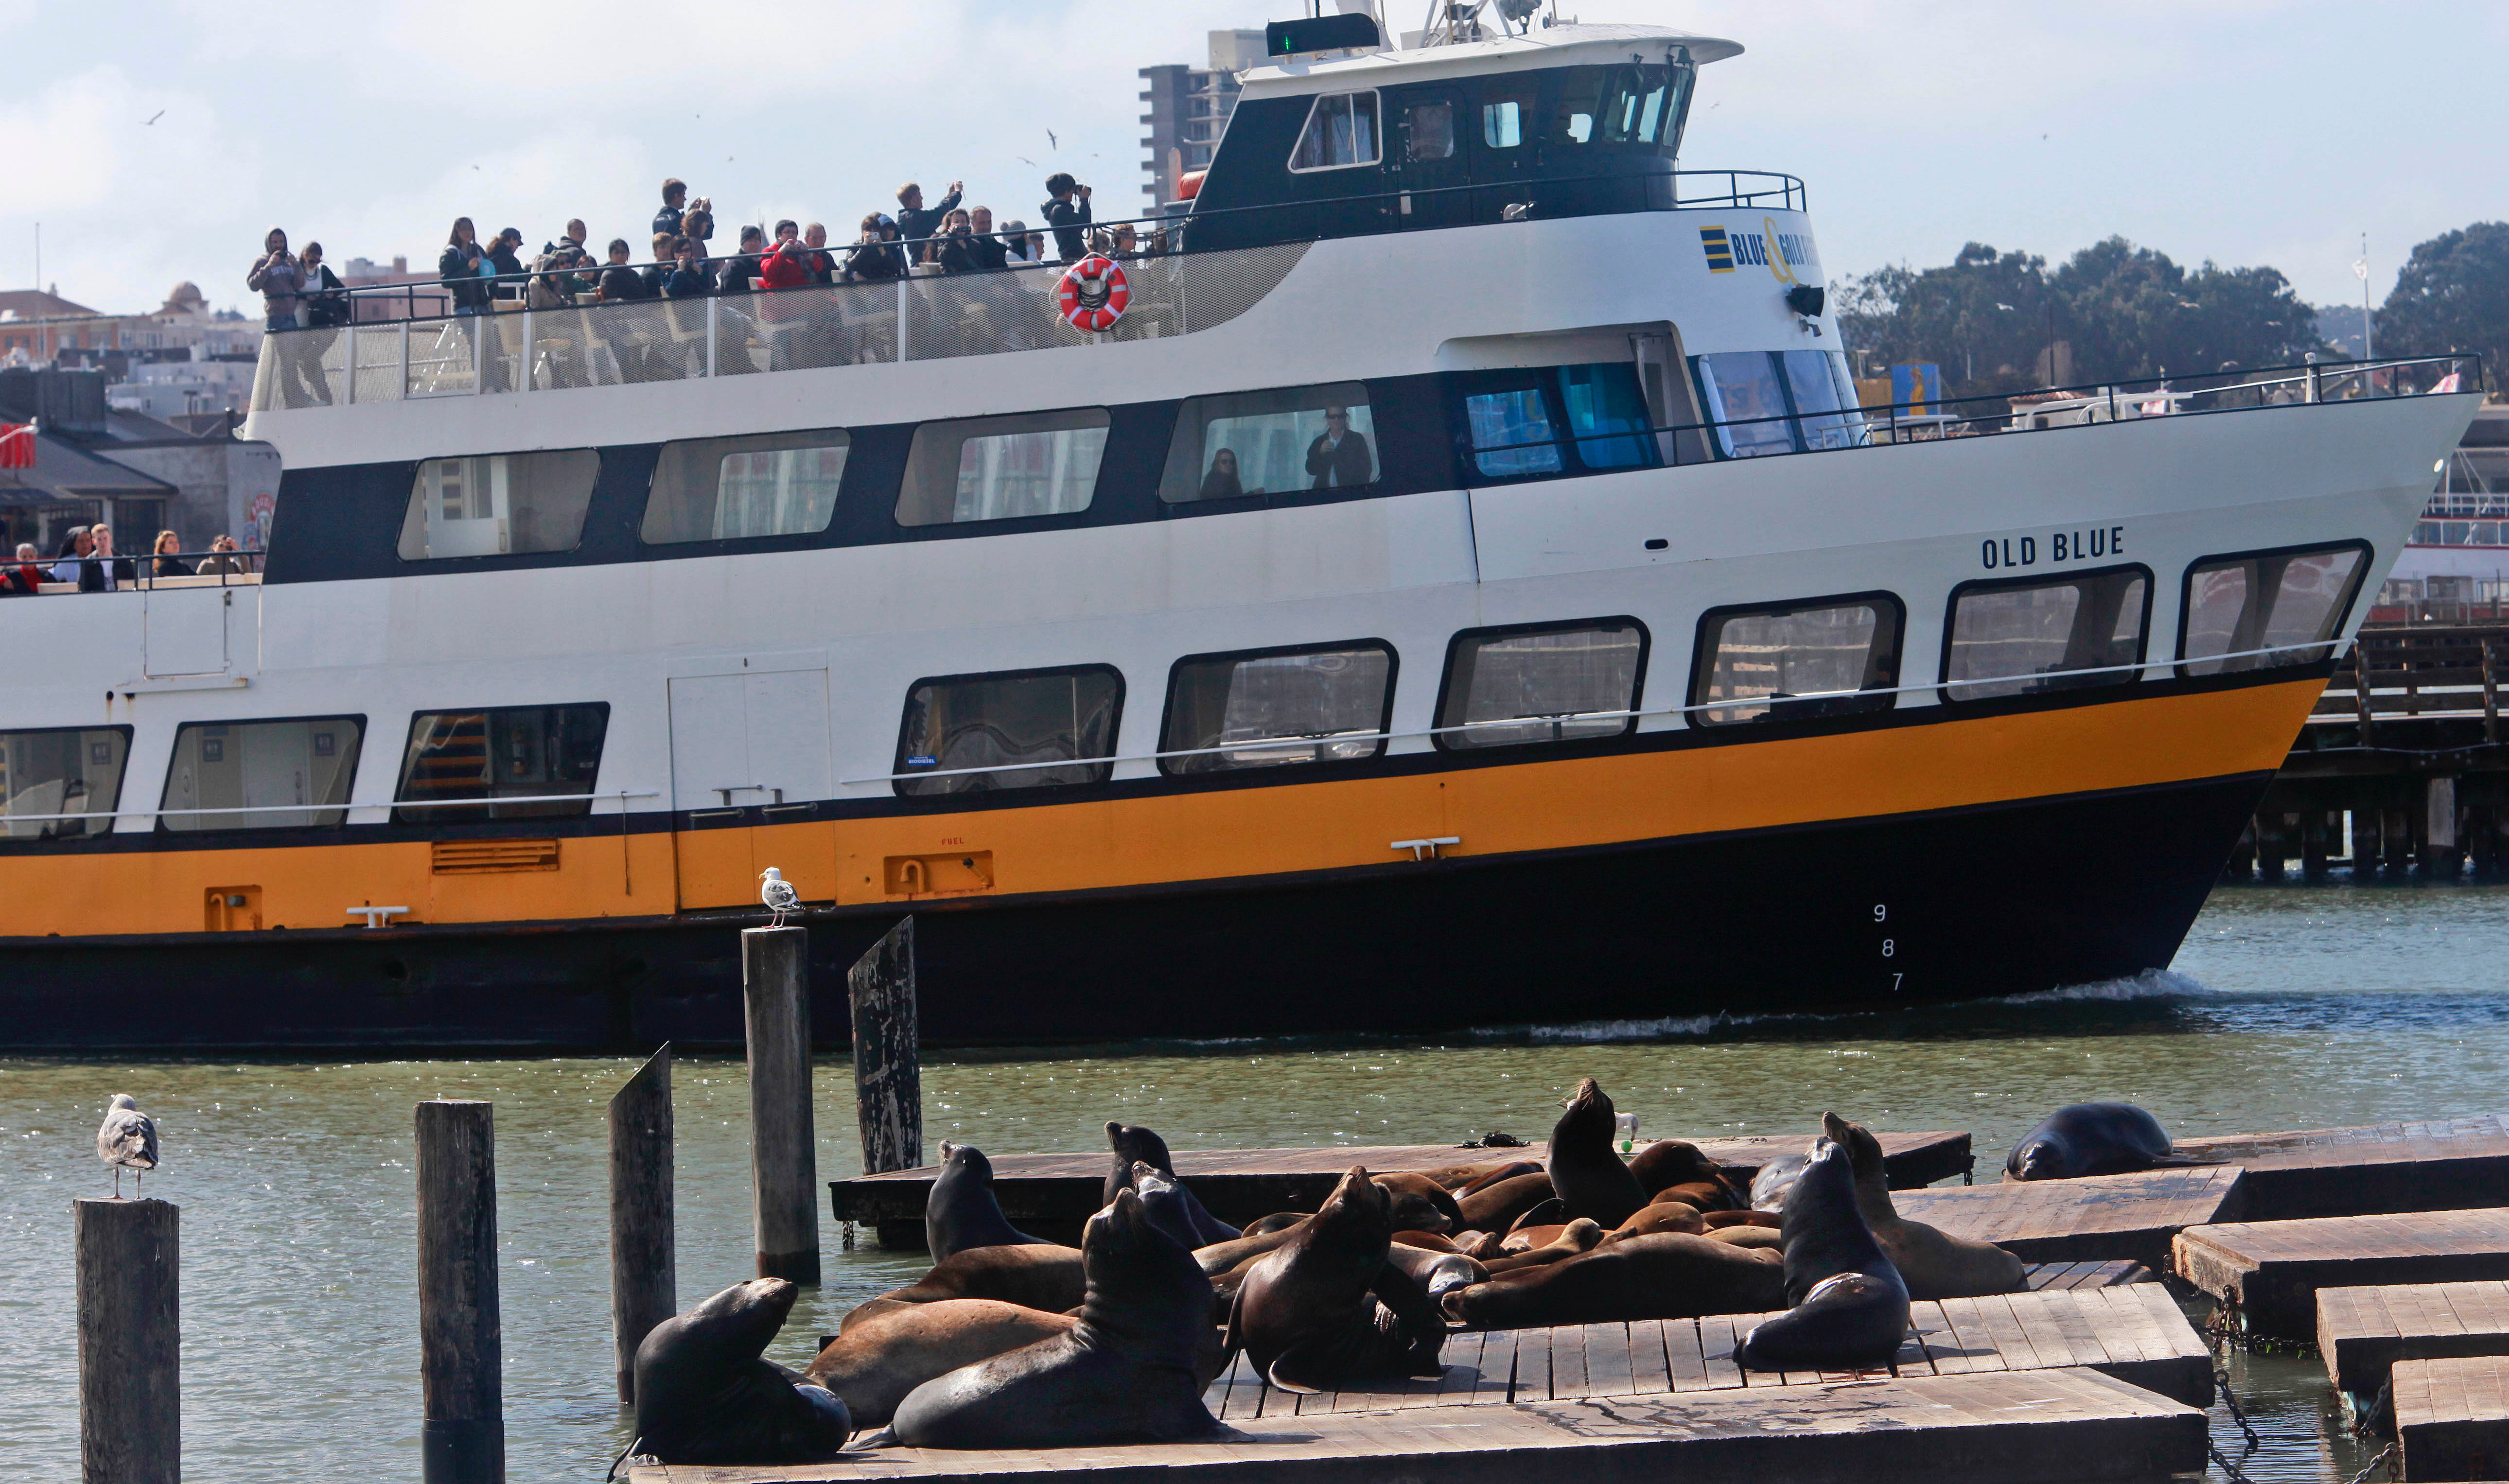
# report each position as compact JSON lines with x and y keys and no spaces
{"x":1459,"y":590}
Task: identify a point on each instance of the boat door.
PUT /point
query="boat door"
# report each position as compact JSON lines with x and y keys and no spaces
{"x":1504,"y":126}
{"x":1430,"y":156}
{"x":749,"y":758}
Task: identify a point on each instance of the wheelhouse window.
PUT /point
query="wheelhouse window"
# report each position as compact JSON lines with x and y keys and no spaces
{"x":722,"y":489}
{"x":1551,"y":683}
{"x":1503,"y":120}
{"x":1792,"y":663}
{"x":72,"y":770}
{"x":1778,"y":403}
{"x":289,"y":774}
{"x":1002,"y":469}
{"x":518,"y":753}
{"x":499,"y":504}
{"x":992,"y":733}
{"x":1430,"y":133}
{"x":1270,"y":442}
{"x":2291,"y":602}
{"x":1629,"y":105}
{"x":2020,"y":637}
{"x":1558,"y":419}
{"x":1341,"y":132}
{"x":1275,"y":708}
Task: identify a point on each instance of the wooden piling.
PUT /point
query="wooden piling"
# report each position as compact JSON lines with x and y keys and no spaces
{"x":783,"y":1151}
{"x":644,"y":1282}
{"x":462,"y":1437}
{"x":888,"y":1075}
{"x":130,"y":1415}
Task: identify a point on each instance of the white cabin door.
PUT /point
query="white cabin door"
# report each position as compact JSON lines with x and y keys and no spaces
{"x":749,"y":764}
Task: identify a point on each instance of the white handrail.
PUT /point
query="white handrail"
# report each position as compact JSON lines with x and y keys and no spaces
{"x":621,"y":795}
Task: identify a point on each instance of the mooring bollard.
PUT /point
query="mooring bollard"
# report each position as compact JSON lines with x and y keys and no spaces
{"x":131,"y":1412}
{"x":888,"y":1074}
{"x":644,"y":1281}
{"x":462,"y":1438}
{"x":783,"y":1155}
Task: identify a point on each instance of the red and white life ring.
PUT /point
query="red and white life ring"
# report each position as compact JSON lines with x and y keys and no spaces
{"x":1093,"y":293}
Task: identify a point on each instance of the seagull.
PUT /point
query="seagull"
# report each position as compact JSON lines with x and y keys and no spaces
{"x":127,"y":1141}
{"x":144,"y":123}
{"x":778,"y":895}
{"x":1051,"y":140}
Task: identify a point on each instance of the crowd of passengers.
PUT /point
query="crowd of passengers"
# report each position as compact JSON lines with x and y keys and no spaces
{"x":87,"y":559}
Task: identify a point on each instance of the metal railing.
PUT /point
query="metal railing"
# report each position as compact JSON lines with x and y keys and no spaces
{"x":343,"y":807}
{"x":143,"y":572}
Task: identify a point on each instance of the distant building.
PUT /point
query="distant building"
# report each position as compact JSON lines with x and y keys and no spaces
{"x":1189,"y":110}
{"x":94,"y":462}
{"x":43,"y":328}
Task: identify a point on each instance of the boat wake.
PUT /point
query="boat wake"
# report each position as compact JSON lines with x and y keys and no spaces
{"x":2153,"y":987}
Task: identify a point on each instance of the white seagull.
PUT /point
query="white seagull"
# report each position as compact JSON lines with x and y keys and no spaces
{"x":127,"y":1141}
{"x":778,"y":895}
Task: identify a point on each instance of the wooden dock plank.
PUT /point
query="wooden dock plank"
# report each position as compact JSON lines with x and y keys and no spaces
{"x":2382,"y":1168}
{"x":1497,"y":1382}
{"x":2046,"y":1276}
{"x":2452,"y":1418}
{"x":1717,"y":1339}
{"x":1609,"y":1370}
{"x":2364,"y":1331}
{"x":2269,"y":1272}
{"x":1650,"y":1357}
{"x":2101,"y":1218}
{"x":1685,"y":1353}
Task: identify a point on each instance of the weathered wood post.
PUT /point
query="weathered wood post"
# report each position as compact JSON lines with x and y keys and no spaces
{"x":131,"y":1414}
{"x":644,"y":1281}
{"x":888,"y":1073}
{"x":461,"y":1359}
{"x":783,"y":1156}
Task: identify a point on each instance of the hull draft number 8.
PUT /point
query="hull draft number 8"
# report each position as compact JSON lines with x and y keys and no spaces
{"x":1093,"y":293}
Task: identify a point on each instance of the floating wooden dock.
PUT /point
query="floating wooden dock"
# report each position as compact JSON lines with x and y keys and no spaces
{"x":2086,"y":1275}
{"x":2445,"y":1165}
{"x":1050,"y":1195}
{"x":2269,"y":1272}
{"x":2363,"y":1332}
{"x":2452,"y":1418}
{"x":1977,"y":1427}
{"x":2099,"y":1217}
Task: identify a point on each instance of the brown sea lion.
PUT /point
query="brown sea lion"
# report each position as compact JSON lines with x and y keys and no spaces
{"x":1849,"y":1307}
{"x":1714,"y":1220}
{"x":1134,"y":1145}
{"x":962,"y":1211}
{"x":1042,"y":1277}
{"x":1493,"y":1172}
{"x":1482,"y":1244}
{"x":1220,"y":1256}
{"x":1277,"y":1221}
{"x":1658,"y":1216}
{"x":1552,"y":1213}
{"x":1585,"y":1171}
{"x":1669,"y":1162}
{"x":1458,"y":1177}
{"x":1767,"y":1237}
{"x":1668,"y":1276}
{"x":1437,"y":1274}
{"x":873,"y":1364}
{"x":706,"y":1395}
{"x":1427,"y":1240}
{"x":1578,"y":1237}
{"x":1328,"y":1308}
{"x":1495,"y":1208}
{"x":1933,"y":1264}
{"x":1418,"y":1203}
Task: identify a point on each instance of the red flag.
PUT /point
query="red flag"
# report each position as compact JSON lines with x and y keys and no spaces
{"x":17,"y":445}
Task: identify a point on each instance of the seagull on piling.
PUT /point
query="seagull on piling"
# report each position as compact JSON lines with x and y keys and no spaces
{"x":778,"y":895}
{"x":127,"y":1141}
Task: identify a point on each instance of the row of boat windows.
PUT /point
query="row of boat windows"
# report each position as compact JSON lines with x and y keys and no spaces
{"x":1521,"y":687}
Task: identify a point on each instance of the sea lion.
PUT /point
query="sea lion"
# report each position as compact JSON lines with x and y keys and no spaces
{"x":1585,"y":1171}
{"x":1552,"y":1213}
{"x":873,"y":1364}
{"x":1671,"y":1161}
{"x":1418,"y":1203}
{"x":1329,"y":1308}
{"x":2089,"y":1138}
{"x":1933,"y":1264}
{"x":1491,"y":1173}
{"x":1495,"y":1208}
{"x":1429,"y":1240}
{"x":1778,"y":1176}
{"x":1849,"y":1308}
{"x":1576,"y":1238}
{"x":1134,"y":1145}
{"x":1277,"y":1221}
{"x":1047,"y":1278}
{"x":1659,"y":1216}
{"x":1714,"y":1220}
{"x":1163,"y":1200}
{"x":705,"y":1396}
{"x":1768,"y":1236}
{"x":1667,"y":1276}
{"x":1219,"y":1257}
{"x":1438,"y":1273}
{"x":962,"y":1211}
{"x":1456,"y":1177}
{"x":1133,"y":1368}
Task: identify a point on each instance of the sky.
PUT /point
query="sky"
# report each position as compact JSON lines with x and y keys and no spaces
{"x":2247,"y":132}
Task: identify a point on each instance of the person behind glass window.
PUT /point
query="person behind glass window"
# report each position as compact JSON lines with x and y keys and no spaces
{"x":1222,"y":482}
{"x":76,"y":543}
{"x":168,"y":564}
{"x":1339,"y":457}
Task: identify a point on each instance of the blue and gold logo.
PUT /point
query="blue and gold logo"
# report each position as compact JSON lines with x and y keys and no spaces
{"x":1719,"y":249}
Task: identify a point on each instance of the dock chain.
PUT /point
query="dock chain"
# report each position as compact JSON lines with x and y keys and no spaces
{"x":2230,"y":1403}
{"x":2384,"y":1456}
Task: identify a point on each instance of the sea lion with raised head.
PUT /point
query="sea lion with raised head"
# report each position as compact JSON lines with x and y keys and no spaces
{"x":1132,"y":1370}
{"x":962,"y":1211}
{"x":1136,"y":1145}
{"x":874,"y":1363}
{"x":1933,"y":1264}
{"x":1329,"y":1308}
{"x":1585,"y":1171}
{"x":1849,"y":1308}
{"x":706,"y":1395}
{"x":1778,"y":1176}
{"x":1667,"y":1276}
{"x":1047,"y":1278}
{"x":2089,"y":1138}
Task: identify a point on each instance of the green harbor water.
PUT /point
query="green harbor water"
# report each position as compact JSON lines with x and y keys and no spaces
{"x":2288,"y":1007}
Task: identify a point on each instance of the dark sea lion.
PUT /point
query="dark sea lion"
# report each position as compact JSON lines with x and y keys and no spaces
{"x":1277,"y":1221}
{"x":1491,"y":1174}
{"x":1437,"y":1274}
{"x":2089,"y":1138}
{"x":1418,"y":1203}
{"x":962,"y":1211}
{"x":1659,"y":1216}
{"x":1715,"y":1220}
{"x":1848,"y":1305}
{"x":1552,"y":1213}
{"x":1671,"y":1162}
{"x":1668,"y":1276}
{"x":1932,"y":1264}
{"x":1045,"y":1277}
{"x":704,"y":1394}
{"x":1495,"y":1208}
{"x":1778,"y":1176}
{"x":1134,"y":1145}
{"x":1132,"y":1370}
{"x":1585,"y":1171}
{"x":873,"y":1364}
{"x":1329,"y":1308}
{"x":1163,"y":1201}
{"x":1431,"y":1241}
{"x":1768,"y":1236}
{"x":1705,"y":1195}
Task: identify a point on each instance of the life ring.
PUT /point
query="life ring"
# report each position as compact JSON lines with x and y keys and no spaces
{"x":1093,"y":293}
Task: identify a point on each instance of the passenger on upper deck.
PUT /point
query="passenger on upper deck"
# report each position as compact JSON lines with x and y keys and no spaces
{"x":279,"y":277}
{"x":740,"y":275}
{"x":823,"y":264}
{"x":675,"y":196}
{"x":787,"y":263}
{"x":461,"y":267}
{"x":321,"y":303}
{"x":1339,"y":457}
{"x":913,"y":223}
{"x":26,"y":579}
{"x":687,"y":278}
{"x":876,"y":255}
{"x":224,"y":560}
{"x":1066,"y":219}
{"x":102,"y":571}
{"x":1019,"y":245}
{"x":506,"y":262}
{"x":75,"y":545}
{"x":956,"y":250}
{"x":988,"y":249}
{"x":659,"y":270}
{"x":168,"y":564}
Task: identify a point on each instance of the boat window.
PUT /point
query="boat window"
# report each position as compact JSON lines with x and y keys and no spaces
{"x":990,"y":733}
{"x":1002,"y":469}
{"x":520,"y":752}
{"x":721,"y":489}
{"x":496,"y":505}
{"x":286,"y":773}
{"x":1269,"y":442}
{"x":2021,"y":638}
{"x":1744,"y":400}
{"x":1605,"y":399}
{"x":1270,"y":708}
{"x":1341,"y":132}
{"x":1543,"y":683}
{"x":1431,"y":131}
{"x":1503,"y":114}
{"x":1824,"y":399}
{"x":74,"y":770}
{"x":1785,"y":663}
{"x":1519,"y":428}
{"x":2288,"y":601}
{"x":1512,"y":434}
{"x":1617,"y":105}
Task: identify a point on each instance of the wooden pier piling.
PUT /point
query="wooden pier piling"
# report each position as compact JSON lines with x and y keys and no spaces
{"x":888,"y":1076}
{"x":783,"y":1149}
{"x":131,"y":1414}
{"x":462,"y":1438}
{"x":644,"y":1281}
